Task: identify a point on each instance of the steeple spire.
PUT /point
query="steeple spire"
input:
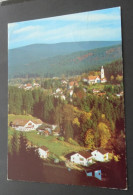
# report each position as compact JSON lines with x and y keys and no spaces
{"x":102,"y":73}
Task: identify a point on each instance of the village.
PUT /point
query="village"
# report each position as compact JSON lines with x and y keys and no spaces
{"x":82,"y":158}
{"x":94,"y":83}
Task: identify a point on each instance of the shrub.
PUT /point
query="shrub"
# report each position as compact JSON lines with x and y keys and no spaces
{"x":61,"y":138}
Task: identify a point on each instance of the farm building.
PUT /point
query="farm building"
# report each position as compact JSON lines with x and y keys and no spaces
{"x":82,"y":158}
{"x":100,"y":155}
{"x":46,"y":129}
{"x":26,"y":125}
{"x":43,"y":152}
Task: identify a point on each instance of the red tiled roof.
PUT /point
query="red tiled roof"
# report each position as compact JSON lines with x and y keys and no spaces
{"x":28,"y":85}
{"x":85,"y":154}
{"x":103,"y":151}
{"x":37,"y":121}
{"x":93,"y":77}
{"x":23,"y":122}
{"x":71,"y":83}
{"x":44,"y":148}
{"x":20,"y":122}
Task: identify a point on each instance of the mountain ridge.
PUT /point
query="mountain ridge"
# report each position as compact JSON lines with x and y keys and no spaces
{"x":70,"y":64}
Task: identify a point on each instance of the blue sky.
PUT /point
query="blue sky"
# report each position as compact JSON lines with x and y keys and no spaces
{"x":100,"y":25}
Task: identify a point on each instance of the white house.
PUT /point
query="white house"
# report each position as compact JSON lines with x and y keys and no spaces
{"x":71,"y":93}
{"x":58,"y":90}
{"x":96,"y":91}
{"x":82,"y":158}
{"x":28,"y":86}
{"x":100,"y":155}
{"x":63,"y":97}
{"x":43,"y":152}
{"x":36,"y":85}
{"x":26,"y":125}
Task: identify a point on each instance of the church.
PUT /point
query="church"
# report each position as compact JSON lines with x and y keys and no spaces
{"x":96,"y":79}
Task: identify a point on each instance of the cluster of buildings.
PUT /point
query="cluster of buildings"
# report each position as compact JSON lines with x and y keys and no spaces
{"x":86,"y":158}
{"x":29,"y":86}
{"x":34,"y":124}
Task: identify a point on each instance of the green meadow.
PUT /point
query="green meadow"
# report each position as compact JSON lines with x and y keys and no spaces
{"x":56,"y":147}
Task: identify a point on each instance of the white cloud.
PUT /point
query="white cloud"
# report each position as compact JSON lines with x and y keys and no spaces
{"x":87,"y":26}
{"x":27,"y":29}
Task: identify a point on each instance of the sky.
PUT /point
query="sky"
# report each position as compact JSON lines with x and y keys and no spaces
{"x":99,"y":25}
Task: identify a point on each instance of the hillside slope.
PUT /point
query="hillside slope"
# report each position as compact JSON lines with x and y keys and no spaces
{"x":58,"y":63}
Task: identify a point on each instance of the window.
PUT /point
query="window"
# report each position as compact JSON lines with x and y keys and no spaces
{"x":81,"y":159}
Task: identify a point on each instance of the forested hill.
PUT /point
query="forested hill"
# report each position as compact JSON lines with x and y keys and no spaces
{"x":49,"y":63}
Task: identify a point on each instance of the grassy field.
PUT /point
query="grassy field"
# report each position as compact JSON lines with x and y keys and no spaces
{"x":57,"y":148}
{"x":98,"y":86}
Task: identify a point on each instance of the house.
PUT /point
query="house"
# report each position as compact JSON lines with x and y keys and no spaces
{"x":28,"y":86}
{"x":82,"y":158}
{"x":71,"y":92}
{"x":26,"y":125}
{"x":101,"y":155}
{"x":64,"y":82}
{"x":58,"y":90}
{"x":43,"y":132}
{"x":72,"y":84}
{"x":95,"y":91}
{"x":36,"y":85}
{"x":102,"y":94}
{"x":94,"y":79}
{"x":43,"y":152}
{"x":104,"y":80}
{"x":46,"y":129}
{"x":85,"y":80}
{"x":63,"y":97}
{"x":119,"y":94}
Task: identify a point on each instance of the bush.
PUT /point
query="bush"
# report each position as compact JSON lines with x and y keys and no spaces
{"x":61,"y":138}
{"x":71,"y":141}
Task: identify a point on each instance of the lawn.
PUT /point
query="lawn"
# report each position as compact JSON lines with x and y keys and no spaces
{"x":56,"y":147}
{"x":98,"y":86}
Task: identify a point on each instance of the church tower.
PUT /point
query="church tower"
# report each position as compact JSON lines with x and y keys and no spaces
{"x":102,"y":73}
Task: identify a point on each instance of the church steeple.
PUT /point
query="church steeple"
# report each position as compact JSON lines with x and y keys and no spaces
{"x":102,"y":73}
